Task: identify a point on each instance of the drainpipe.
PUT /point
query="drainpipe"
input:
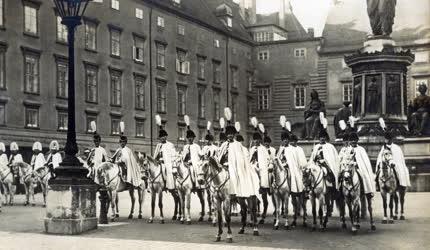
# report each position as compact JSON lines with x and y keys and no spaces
{"x":151,"y":81}
{"x":227,"y":69}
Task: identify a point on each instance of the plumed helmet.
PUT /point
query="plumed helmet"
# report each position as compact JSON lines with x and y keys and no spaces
{"x":222,"y":136}
{"x":209,"y":136}
{"x":229,"y":129}
{"x":54,"y":145}
{"x":14,"y":146}
{"x":190,"y":133}
{"x":96,"y":136}
{"x":267,"y":139}
{"x":388,"y":135}
{"x":294,"y":137}
{"x":323,"y":133}
{"x":239,"y":138}
{"x":2,"y":147}
{"x":122,"y":137}
{"x":37,"y":146}
{"x":161,"y":131}
{"x":353,"y":136}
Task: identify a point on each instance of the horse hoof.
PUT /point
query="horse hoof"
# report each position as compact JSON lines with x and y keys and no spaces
{"x":201,"y":219}
{"x":130,"y":216}
{"x":33,"y":205}
{"x":402,"y":217}
{"x":305,"y":224}
{"x":343,"y":226}
{"x":162,"y":222}
{"x":112,"y":219}
{"x":284,"y":216}
{"x":384,"y":221}
{"x":294,"y":224}
{"x":258,"y":214}
{"x":275,"y":227}
{"x":357,"y":226}
{"x":354,"y":231}
{"x":287,"y":227}
{"x":43,"y":205}
{"x":229,"y":240}
{"x":116,"y":215}
{"x":373,"y":227}
{"x":214,"y":224}
{"x":218,"y":239}
{"x":241,"y":231}
{"x":209,"y":219}
{"x":261,"y":222}
{"x":150,"y":221}
{"x":391,"y":221}
{"x":188,"y":222}
{"x":225,"y":224}
{"x":140,"y":217}
{"x":174,"y":217}
{"x":395,"y":217}
{"x":256,"y":233}
{"x":182,"y":222}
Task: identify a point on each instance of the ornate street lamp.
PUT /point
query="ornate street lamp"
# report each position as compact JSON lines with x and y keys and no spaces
{"x":71,"y":201}
{"x":71,"y":12}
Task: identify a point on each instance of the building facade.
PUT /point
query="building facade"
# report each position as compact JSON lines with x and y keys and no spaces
{"x":134,"y":59}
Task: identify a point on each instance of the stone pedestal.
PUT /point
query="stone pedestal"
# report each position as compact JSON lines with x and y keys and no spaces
{"x":71,"y":202}
{"x":379,"y":72}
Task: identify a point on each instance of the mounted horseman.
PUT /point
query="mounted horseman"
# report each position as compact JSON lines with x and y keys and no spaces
{"x":38,"y":164}
{"x":302,"y":162}
{"x":6,"y":177}
{"x":165,"y":155}
{"x":261,"y":161}
{"x":14,"y":158}
{"x":54,"y":157}
{"x":97,"y":154}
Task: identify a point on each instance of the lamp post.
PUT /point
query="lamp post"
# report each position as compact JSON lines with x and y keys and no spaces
{"x":71,"y":203}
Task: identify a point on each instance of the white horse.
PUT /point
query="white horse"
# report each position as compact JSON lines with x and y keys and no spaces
{"x":6,"y":180}
{"x":27,"y":178}
{"x":281,"y":192}
{"x":109,"y":177}
{"x":43,"y":175}
{"x":184,"y":185}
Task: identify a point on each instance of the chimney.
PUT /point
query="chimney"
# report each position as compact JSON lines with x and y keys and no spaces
{"x":248,"y":10}
{"x":285,"y":8}
{"x":311,"y":32}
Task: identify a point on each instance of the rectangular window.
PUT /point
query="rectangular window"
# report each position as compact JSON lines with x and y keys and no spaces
{"x":263,"y":98}
{"x":182,"y":64}
{"x":161,"y":97}
{"x":421,"y":56}
{"x":229,"y":22}
{"x":139,"y":13}
{"x":62,"y":120}
{"x":2,"y":114}
{"x":347,"y":92}
{"x":418,"y":83}
{"x":250,"y":80}
{"x":202,"y":103}
{"x":217,"y":72}
{"x":301,"y":52}
{"x":30,"y":20}
{"x":61,"y":31}
{"x":2,"y":68}
{"x":31,"y":78}
{"x":160,"y":22}
{"x":114,"y":4}
{"x":216,"y":43}
{"x":181,"y":133}
{"x":263,"y":55}
{"x":181,"y":29}
{"x":114,"y":125}
{"x":217,"y":102}
{"x":140,"y":128}
{"x":62,"y":79}
{"x":1,"y":13}
{"x":201,"y":63}
{"x":32,"y":117}
{"x":140,"y":92}
{"x":115,"y":42}
{"x":234,"y":76}
{"x":202,"y":135}
{"x":91,"y":118}
{"x":115,"y":87}
{"x":161,"y":55}
{"x":90,"y":35}
{"x":138,"y":49}
{"x":91,"y":83}
{"x":182,"y":95}
{"x":299,"y":96}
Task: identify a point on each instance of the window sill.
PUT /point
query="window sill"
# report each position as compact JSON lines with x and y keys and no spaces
{"x":92,"y":102}
{"x":298,"y":108}
{"x":140,"y":109}
{"x":62,"y":130}
{"x":33,"y":35}
{"x":32,"y":128}
{"x":31,"y":93}
{"x":161,"y":112}
{"x":62,"y":97}
{"x":140,"y":136}
{"x":115,"y":56}
{"x":182,"y":74}
{"x":61,"y":42}
{"x":201,"y":79}
{"x":138,"y":62}
{"x":91,"y":50}
{"x":161,"y":68}
{"x":116,"y":105}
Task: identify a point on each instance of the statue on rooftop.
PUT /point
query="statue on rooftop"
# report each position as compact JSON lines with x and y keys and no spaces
{"x":418,"y":113}
{"x":381,"y":14}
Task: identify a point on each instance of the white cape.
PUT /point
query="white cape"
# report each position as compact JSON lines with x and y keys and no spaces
{"x":330,"y":156}
{"x":399,"y":160}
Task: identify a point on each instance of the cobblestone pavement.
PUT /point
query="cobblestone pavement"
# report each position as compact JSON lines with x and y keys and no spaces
{"x":22,"y":228}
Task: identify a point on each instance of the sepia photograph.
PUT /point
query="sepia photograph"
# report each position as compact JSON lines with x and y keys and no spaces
{"x":214,"y":124}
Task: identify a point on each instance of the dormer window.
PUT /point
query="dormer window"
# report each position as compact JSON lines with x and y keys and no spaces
{"x":229,"y":22}
{"x":177,"y":1}
{"x":225,"y":14}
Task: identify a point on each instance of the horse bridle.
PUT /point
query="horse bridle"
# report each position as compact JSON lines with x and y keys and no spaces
{"x":184,"y":179}
{"x":275,"y":186}
{"x":210,"y":179}
{"x":312,"y":187}
{"x":352,"y":187}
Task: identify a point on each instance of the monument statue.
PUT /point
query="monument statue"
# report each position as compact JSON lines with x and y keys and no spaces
{"x":312,"y":120}
{"x":356,"y":104}
{"x":418,"y":113}
{"x":393,"y":95}
{"x":373,"y":95}
{"x":381,"y":14}
{"x":342,"y":114}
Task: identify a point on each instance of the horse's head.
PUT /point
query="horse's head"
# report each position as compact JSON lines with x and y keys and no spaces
{"x":347,"y":178}
{"x":307,"y":177}
{"x":202,"y":171}
{"x":103,"y":173}
{"x":387,"y":164}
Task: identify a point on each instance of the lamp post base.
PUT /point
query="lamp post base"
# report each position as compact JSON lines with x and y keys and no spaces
{"x":71,"y":202}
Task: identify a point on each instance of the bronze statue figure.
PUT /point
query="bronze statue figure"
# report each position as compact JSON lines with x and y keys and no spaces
{"x":373,"y":96}
{"x":312,"y":120}
{"x":393,"y":95}
{"x":356,"y":104}
{"x":342,"y":114}
{"x":418,"y":113}
{"x":381,"y":14}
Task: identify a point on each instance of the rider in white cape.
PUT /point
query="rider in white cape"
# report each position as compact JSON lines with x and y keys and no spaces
{"x":37,"y":159}
{"x":3,"y":156}
{"x":364,"y":166}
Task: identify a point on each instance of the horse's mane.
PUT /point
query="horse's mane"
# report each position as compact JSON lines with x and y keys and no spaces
{"x":106,"y":166}
{"x":151,"y":160}
{"x":214,"y":163}
{"x":22,"y":164}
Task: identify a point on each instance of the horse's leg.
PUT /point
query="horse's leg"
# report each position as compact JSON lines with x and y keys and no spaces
{"x":276,"y":202}
{"x":265,"y":205}
{"x":153,"y":197}
{"x":305,"y":212}
{"x":141,"y":193}
{"x":243,"y":213}
{"x":133,"y":201}
{"x":370,"y":210}
{"x":363,"y":206}
{"x":296,"y":207}
{"x":396,"y":205}
{"x":113,"y":195}
{"x":342,"y":210}
{"x":27,"y":194}
{"x":178,"y":207}
{"x":201,"y":195}
{"x":182,"y":205}
{"x":44,"y":192}
{"x":402,"y":194}
{"x":284,"y":201}
{"x":227,"y":213}
{"x":321,"y":212}
{"x":12,"y":193}
{"x":351,"y":216}
{"x":254,"y":214}
{"x":160,"y":205}
{"x":31,"y":189}
{"x":391,"y":205}
{"x":384,"y":205}
{"x":188,"y":204}
{"x":219,"y":213}
{"x":209,"y":200}
{"x":314,"y":213}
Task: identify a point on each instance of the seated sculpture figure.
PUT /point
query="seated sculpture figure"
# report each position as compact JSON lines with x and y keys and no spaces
{"x":312,"y":120}
{"x":342,"y":114}
{"x":418,"y":113}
